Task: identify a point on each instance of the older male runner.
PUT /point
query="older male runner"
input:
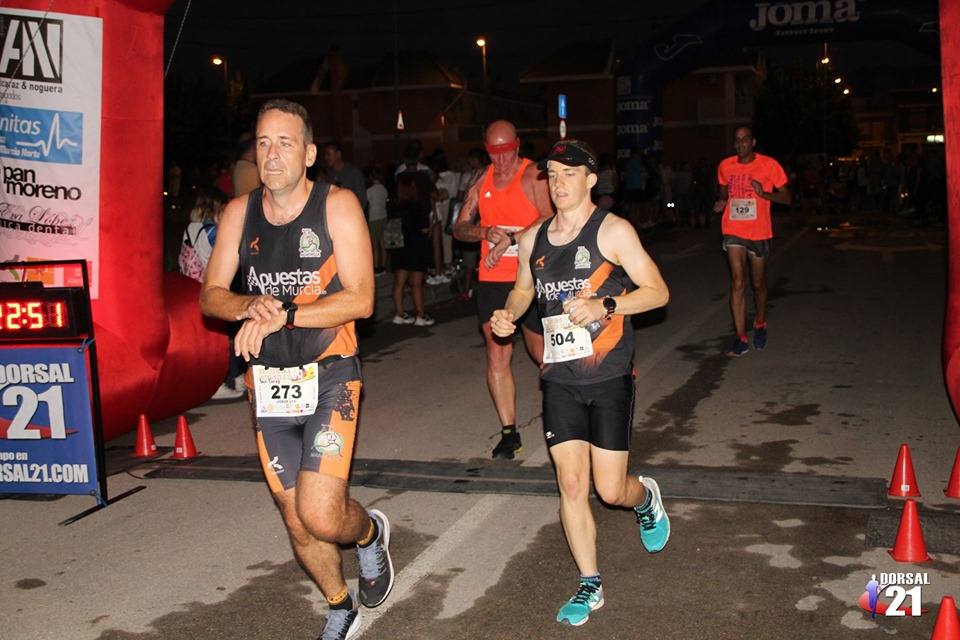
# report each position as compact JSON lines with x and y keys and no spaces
{"x":304,"y":254}
{"x":749,"y":182}
{"x":512,"y":197}
{"x":588,"y":272}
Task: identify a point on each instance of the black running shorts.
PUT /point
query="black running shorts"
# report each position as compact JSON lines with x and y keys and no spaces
{"x":759,"y":248}
{"x":322,"y":442}
{"x":599,"y":413}
{"x":493,"y":295}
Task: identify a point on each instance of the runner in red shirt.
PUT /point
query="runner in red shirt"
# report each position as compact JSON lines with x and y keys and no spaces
{"x":749,"y":182}
{"x":510,"y":198}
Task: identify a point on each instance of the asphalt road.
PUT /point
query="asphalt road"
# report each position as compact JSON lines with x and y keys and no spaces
{"x":773,"y":468}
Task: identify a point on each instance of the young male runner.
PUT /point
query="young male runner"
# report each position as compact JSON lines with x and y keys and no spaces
{"x":588,"y":272}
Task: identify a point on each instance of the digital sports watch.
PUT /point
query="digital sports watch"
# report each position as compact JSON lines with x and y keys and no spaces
{"x":609,"y":305}
{"x":291,"y":309}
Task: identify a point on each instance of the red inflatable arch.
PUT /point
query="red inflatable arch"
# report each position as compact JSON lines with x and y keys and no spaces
{"x":156,"y":356}
{"x":950,"y":72}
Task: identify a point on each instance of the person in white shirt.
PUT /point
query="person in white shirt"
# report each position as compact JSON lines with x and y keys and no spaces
{"x":447,"y":186}
{"x":377,"y":197}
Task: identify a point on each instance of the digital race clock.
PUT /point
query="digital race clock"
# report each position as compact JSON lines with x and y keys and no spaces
{"x":38,"y":313}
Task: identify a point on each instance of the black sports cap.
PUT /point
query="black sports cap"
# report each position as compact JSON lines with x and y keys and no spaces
{"x":573,"y":153}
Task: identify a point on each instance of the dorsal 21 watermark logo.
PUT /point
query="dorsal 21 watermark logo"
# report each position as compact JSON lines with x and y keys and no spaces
{"x":32,"y":48}
{"x":897,"y":586}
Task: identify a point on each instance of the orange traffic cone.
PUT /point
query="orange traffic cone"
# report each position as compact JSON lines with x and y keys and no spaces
{"x":947,"y":626}
{"x":953,"y":486}
{"x":903,"y":483}
{"x":145,"y":446}
{"x":909,"y":545}
{"x":183,"y":447}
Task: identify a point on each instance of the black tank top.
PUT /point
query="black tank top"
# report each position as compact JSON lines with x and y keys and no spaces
{"x":579,"y":269}
{"x":294,"y":261}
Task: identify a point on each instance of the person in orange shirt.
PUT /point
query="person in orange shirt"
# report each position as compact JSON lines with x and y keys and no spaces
{"x":749,"y":182}
{"x":512,"y":197}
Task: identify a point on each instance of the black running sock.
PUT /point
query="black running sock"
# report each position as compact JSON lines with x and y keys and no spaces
{"x":371,"y":536}
{"x":341,"y":601}
{"x":594,"y":580}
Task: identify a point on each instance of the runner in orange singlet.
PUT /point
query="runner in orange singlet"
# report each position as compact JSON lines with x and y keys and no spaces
{"x":511,"y":196}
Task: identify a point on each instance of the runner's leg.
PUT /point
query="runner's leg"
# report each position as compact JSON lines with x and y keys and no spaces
{"x":737,"y":259}
{"x":572,"y":461}
{"x":758,"y":278}
{"x":500,"y":376}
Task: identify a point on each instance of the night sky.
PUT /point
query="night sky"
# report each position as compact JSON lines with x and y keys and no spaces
{"x":519,"y":33}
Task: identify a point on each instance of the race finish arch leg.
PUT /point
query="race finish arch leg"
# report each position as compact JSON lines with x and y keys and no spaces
{"x":83,"y":178}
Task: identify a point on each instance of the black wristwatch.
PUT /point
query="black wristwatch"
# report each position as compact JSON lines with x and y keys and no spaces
{"x":291,"y":309}
{"x":609,"y":305}
{"x":513,"y":237}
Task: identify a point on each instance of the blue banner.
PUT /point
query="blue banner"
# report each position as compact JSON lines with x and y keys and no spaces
{"x":41,"y":135}
{"x":719,"y":27}
{"x":46,"y":421}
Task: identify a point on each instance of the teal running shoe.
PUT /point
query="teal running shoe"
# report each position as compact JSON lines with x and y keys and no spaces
{"x":576,"y":611}
{"x":653,"y":520}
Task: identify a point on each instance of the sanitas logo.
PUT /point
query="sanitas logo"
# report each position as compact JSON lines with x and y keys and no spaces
{"x":796,"y":14}
{"x":285,"y":283}
{"x":553,"y":290}
{"x":32,"y":48}
{"x":41,"y":135}
{"x":23,"y":182}
{"x":14,"y":124}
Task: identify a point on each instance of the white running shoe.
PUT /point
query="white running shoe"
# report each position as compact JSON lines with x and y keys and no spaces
{"x":404,"y":319}
{"x":424,"y":321}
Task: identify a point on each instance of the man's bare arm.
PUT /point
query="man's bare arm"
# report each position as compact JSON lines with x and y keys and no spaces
{"x":626,"y":249}
{"x":216,"y":299}
{"x":465,"y":230}
{"x":723,"y":193}
{"x":351,"y":246}
{"x":539,"y":188}
{"x":779,"y":195}
{"x":522,"y":294}
{"x":618,"y":241}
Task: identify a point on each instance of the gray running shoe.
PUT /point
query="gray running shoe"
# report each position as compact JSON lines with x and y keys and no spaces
{"x":341,"y":624}
{"x":376,"y":567}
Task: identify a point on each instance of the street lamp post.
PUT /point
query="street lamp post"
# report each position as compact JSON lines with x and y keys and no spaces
{"x":482,"y":43}
{"x":220,"y":61}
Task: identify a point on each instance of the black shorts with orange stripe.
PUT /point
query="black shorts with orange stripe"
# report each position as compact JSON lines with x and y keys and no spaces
{"x":322,"y":442}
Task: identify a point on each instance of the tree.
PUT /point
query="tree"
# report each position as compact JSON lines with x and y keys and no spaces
{"x":801,"y":110}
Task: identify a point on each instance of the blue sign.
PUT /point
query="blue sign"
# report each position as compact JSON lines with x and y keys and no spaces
{"x":41,"y":135}
{"x":562,"y":106}
{"x":46,"y":423}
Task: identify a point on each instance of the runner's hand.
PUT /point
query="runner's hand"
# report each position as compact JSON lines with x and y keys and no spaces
{"x":496,"y":235}
{"x":496,"y":252}
{"x":262,"y":309}
{"x":249,"y":339}
{"x":719,"y":206}
{"x":583,"y":311}
{"x":758,"y":188}
{"x":501,"y":323}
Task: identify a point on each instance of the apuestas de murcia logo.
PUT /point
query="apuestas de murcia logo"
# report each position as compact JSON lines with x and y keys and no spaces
{"x":32,"y":49}
{"x":797,"y":14}
{"x":23,"y":182}
{"x":285,"y":283}
{"x":552,"y":290}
